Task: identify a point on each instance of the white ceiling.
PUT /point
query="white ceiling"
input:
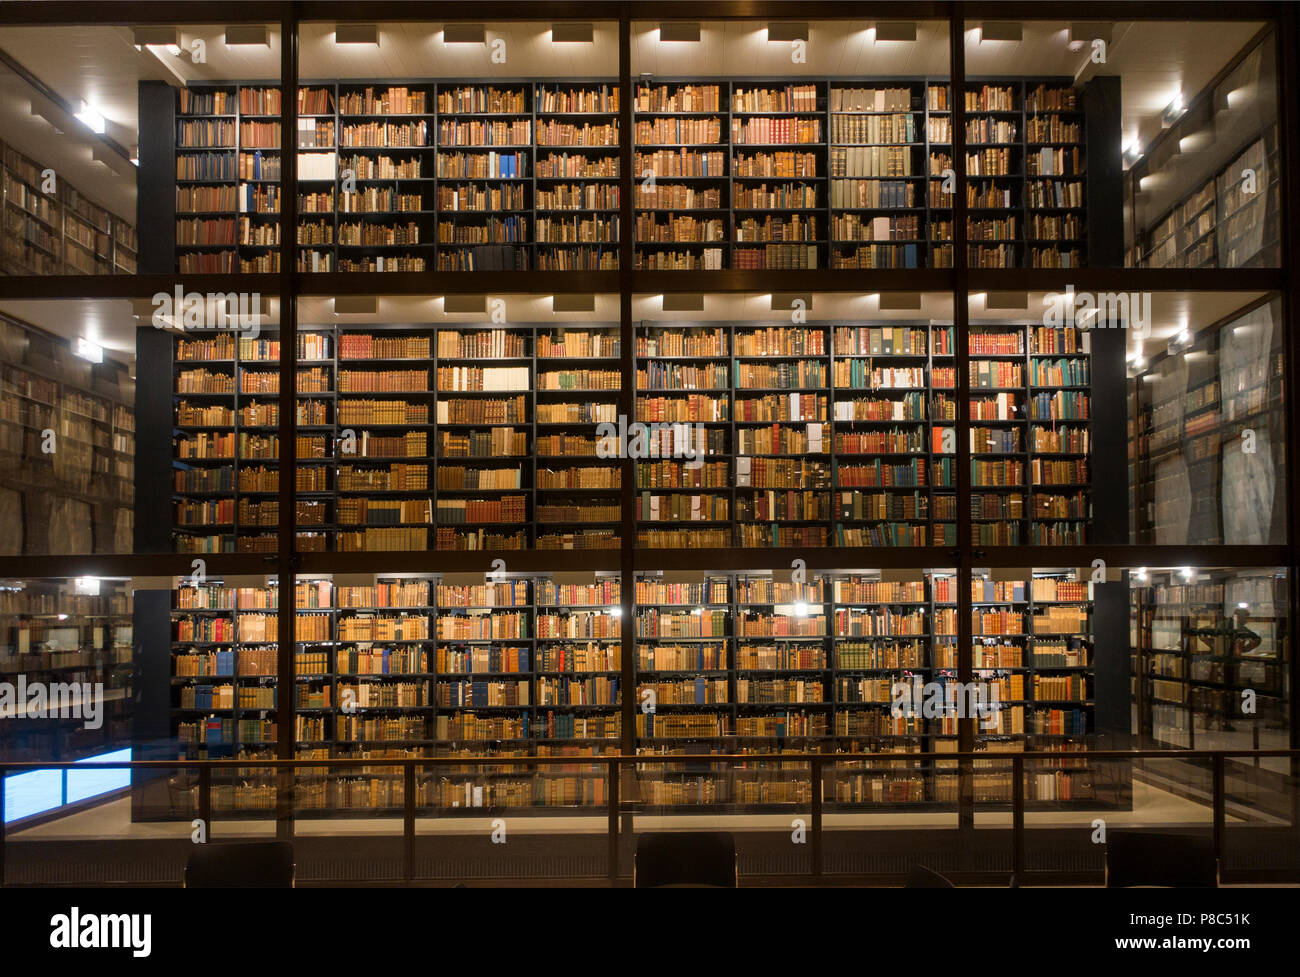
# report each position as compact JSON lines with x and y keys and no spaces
{"x":112,"y":323}
{"x":416,"y":50}
{"x":835,"y":48}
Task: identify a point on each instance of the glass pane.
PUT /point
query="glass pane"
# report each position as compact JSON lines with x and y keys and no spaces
{"x":794,"y":420}
{"x":1208,"y":415}
{"x":422,"y":148}
{"x":456,"y":429}
{"x":1112,"y":144}
{"x":839,"y":166}
{"x":1113,"y":417}
{"x":132,"y":158}
{"x":1212,"y":655}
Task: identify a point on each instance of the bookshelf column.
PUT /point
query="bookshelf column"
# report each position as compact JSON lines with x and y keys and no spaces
{"x":961,"y":350}
{"x":626,"y":402}
{"x":286,"y":556}
{"x":1103,"y":136}
{"x":155,"y":209}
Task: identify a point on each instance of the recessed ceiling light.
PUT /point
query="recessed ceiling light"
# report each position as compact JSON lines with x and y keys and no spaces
{"x":89,"y":351}
{"x":92,"y":119}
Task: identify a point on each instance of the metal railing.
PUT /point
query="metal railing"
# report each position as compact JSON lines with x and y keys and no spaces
{"x":619,"y":766}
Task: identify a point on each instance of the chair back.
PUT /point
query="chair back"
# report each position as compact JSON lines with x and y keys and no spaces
{"x":243,"y":865}
{"x":1136,"y":857}
{"x":685,"y":858}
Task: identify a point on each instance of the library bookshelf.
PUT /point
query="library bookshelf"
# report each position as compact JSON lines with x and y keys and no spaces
{"x":452,"y":176}
{"x":1026,"y":171}
{"x":758,"y":436}
{"x":751,"y":664}
{"x":398,"y":667}
{"x":408,"y":441}
{"x":442,"y":665}
{"x":729,"y":173}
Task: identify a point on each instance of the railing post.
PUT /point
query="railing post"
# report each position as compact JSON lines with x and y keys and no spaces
{"x":817,"y":818}
{"x":205,"y":800}
{"x":1220,"y":808}
{"x":408,"y":820}
{"x":613,"y":771}
{"x":1017,"y":820}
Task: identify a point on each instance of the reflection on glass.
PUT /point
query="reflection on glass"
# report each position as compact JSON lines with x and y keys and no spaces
{"x":1212,"y":658}
{"x":1210,"y":451}
{"x":67,"y":445}
{"x":1207,"y":192}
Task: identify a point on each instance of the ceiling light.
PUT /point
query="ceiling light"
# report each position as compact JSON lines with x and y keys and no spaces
{"x":1001,"y":31}
{"x":356,"y":34}
{"x":572,"y":33}
{"x":801,"y":609}
{"x":787,"y":32}
{"x":92,"y":119}
{"x":1081,"y":34}
{"x":895,"y":31}
{"x":679,"y":32}
{"x":247,"y":34}
{"x":156,"y":37}
{"x":464,"y":34}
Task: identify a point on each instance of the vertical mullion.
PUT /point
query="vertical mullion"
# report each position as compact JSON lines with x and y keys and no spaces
{"x":961,"y":353}
{"x":1288,"y":61}
{"x":288,"y":454}
{"x":627,"y":388}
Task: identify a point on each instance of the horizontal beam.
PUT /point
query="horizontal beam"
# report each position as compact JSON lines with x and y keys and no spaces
{"x":886,"y":761}
{"x":735,"y":281}
{"x":823,"y":559}
{"x":65,"y":12}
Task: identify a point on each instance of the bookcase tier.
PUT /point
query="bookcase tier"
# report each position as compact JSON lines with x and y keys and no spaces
{"x":823,"y":173}
{"x":483,"y":436}
{"x":425,"y":665}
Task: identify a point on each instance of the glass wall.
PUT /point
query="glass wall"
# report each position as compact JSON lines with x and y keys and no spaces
{"x":805,"y":364}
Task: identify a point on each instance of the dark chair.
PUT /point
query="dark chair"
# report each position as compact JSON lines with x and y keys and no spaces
{"x":685,"y":858}
{"x":243,"y":865}
{"x":183,"y":785}
{"x":1160,"y":858}
{"x":921,"y":877}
